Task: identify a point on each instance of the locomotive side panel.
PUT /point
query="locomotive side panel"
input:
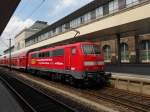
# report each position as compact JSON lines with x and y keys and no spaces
{"x":73,"y":59}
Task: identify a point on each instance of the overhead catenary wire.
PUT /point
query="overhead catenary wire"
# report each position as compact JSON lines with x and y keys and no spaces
{"x":33,"y":12}
{"x":36,"y":8}
{"x":22,"y":9}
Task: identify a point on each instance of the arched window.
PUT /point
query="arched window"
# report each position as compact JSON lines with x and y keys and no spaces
{"x":145,"y":51}
{"x":107,"y":53}
{"x":124,"y":53}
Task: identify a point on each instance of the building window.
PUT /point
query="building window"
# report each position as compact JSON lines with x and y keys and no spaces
{"x":67,"y":25}
{"x":124,"y":53}
{"x":145,"y":51}
{"x":64,"y":28}
{"x":36,"y":39}
{"x":87,"y":17}
{"x":99,"y":12}
{"x":131,"y":2}
{"x":46,"y":35}
{"x":60,"y":29}
{"x":39,"y":38}
{"x":113,"y":6}
{"x":75,"y":23}
{"x":50,"y":33}
{"x":106,"y":9}
{"x":107,"y":53}
{"x":122,"y":4}
{"x":53,"y":31}
{"x":57,"y":30}
{"x":82,"y":19}
{"x":93,"y":14}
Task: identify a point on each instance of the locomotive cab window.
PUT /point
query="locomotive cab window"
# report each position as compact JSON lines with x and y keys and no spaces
{"x":73,"y":51}
{"x":90,"y":49}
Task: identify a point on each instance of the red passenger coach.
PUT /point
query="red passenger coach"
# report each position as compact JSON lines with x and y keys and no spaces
{"x":80,"y":61}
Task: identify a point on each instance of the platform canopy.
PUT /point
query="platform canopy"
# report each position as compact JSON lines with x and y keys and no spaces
{"x":7,"y":8}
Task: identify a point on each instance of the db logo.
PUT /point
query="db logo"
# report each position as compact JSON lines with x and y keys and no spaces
{"x":33,"y":61}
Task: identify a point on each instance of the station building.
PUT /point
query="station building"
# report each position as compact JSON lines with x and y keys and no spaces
{"x":120,"y":27}
{"x":24,"y":34}
{"x":27,"y":32}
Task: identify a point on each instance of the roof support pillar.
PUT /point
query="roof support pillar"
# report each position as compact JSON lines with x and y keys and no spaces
{"x":137,"y":49}
{"x":119,"y":50}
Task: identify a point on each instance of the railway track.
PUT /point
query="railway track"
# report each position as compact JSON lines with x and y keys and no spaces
{"x":32,"y":99}
{"x":135,"y":102}
{"x":131,"y":101}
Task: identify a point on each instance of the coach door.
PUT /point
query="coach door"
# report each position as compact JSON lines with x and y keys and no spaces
{"x":68,"y":58}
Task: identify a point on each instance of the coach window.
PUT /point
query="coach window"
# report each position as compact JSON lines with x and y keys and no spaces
{"x":40,"y":55}
{"x":73,"y":51}
{"x":46,"y":54}
{"x":34,"y":56}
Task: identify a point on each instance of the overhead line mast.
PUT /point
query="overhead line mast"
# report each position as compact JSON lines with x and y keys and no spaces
{"x":10,"y":54}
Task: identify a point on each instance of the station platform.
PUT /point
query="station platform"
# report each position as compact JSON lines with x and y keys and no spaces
{"x":131,"y":82}
{"x":7,"y":101}
{"x":139,"y":77}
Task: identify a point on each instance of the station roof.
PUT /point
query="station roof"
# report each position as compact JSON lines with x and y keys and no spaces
{"x":83,"y":10}
{"x":7,"y":8}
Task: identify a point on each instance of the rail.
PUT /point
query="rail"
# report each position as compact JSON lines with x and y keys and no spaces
{"x":34,"y":100}
{"x":132,"y":101}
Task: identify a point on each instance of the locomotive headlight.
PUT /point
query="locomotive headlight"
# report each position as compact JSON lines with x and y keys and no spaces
{"x":100,"y":62}
{"x":89,"y":63}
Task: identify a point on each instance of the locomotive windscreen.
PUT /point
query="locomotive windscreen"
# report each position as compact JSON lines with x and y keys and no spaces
{"x":91,"y":49}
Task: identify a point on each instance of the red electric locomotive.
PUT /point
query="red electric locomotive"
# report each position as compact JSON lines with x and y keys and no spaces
{"x":71,"y":63}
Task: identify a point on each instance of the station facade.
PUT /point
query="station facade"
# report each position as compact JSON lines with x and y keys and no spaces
{"x":27,"y":32}
{"x":120,"y":27}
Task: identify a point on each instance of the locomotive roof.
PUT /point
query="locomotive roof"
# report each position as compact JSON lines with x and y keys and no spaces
{"x":62,"y":46}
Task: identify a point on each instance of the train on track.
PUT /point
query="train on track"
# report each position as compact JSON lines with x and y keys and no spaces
{"x":76,"y":63}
